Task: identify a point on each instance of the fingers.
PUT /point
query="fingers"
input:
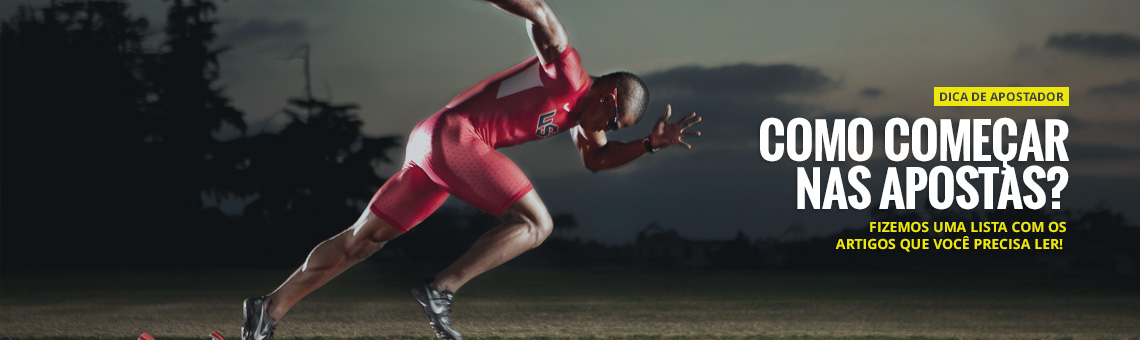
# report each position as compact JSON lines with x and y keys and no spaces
{"x":685,"y":124}
{"x":687,"y":117}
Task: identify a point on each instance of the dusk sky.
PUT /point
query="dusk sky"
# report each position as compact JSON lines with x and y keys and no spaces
{"x":733,"y":62}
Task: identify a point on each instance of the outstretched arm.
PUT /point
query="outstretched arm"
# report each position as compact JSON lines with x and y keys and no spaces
{"x":546,"y":32}
{"x":601,"y":154}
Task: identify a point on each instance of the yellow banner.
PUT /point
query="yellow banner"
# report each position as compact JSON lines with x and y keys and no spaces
{"x":1001,"y":96}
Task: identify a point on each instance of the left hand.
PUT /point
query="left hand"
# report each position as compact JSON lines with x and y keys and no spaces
{"x":666,"y":134}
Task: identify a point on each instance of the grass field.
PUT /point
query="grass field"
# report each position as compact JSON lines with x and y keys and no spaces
{"x":538,"y":303}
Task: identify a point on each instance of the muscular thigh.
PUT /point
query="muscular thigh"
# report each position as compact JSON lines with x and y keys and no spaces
{"x":406,"y":199}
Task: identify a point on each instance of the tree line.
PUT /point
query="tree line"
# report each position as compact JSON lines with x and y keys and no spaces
{"x":112,"y":155}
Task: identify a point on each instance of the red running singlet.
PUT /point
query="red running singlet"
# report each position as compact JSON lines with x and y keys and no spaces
{"x":453,"y":151}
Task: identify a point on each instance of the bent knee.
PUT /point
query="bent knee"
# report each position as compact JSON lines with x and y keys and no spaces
{"x":538,"y":227}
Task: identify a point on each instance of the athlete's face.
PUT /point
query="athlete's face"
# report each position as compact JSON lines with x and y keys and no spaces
{"x":613,"y":123}
{"x":605,"y":114}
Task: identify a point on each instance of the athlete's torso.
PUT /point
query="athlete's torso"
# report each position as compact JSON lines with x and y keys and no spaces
{"x":526,"y":102}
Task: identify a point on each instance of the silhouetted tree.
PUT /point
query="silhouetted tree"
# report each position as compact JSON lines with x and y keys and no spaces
{"x":109,"y":149}
{"x":186,"y":156}
{"x":564,"y":225}
{"x":739,"y":253}
{"x":315,"y":176}
{"x":72,"y":130}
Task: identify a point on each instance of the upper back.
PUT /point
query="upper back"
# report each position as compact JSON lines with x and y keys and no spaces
{"x":526,"y":102}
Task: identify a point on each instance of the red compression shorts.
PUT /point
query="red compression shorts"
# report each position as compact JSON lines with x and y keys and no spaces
{"x":445,"y":155}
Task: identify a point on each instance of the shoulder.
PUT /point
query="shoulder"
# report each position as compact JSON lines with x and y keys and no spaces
{"x":568,"y":56}
{"x":568,"y":66}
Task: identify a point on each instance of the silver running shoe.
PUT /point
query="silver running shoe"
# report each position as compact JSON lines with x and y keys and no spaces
{"x":437,"y":307}
{"x":255,"y":321}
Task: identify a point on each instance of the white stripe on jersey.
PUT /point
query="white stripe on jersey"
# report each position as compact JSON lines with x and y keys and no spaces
{"x":526,"y":79}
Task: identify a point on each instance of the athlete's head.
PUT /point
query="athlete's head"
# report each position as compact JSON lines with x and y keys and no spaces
{"x":632,"y":97}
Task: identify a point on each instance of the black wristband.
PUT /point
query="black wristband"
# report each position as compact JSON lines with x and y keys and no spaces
{"x":648,"y":146}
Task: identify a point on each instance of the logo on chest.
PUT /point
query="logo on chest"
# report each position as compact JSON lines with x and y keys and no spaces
{"x":546,"y":126}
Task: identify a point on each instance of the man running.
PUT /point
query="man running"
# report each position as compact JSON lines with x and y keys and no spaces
{"x":453,"y":153}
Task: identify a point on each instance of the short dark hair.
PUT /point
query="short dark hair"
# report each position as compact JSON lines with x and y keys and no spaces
{"x":633,"y":95}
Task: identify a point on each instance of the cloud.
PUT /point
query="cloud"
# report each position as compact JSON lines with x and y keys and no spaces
{"x":262,"y":29}
{"x":1120,"y":45}
{"x":871,"y":92}
{"x":733,"y":99}
{"x":1072,"y":120}
{"x":741,"y":80}
{"x":1088,"y":152}
{"x":1129,"y":87}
